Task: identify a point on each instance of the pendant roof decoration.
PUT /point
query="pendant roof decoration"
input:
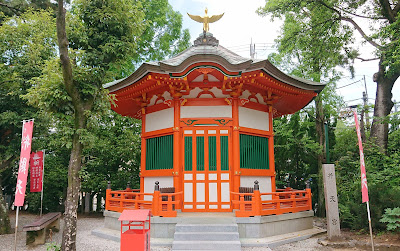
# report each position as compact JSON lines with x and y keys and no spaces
{"x":207,"y":66}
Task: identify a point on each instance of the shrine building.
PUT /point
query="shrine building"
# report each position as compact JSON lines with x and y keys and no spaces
{"x":207,"y":130}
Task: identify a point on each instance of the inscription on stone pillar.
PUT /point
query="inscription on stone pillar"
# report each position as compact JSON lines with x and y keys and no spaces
{"x":331,"y":201}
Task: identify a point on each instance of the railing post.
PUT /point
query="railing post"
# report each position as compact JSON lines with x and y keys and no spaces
{"x":108,"y":195}
{"x":137,"y":202}
{"x":288,"y":188}
{"x":156,"y":199}
{"x":128,"y":187}
{"x":309,"y":195}
{"x":121,"y":203}
{"x":169,"y":205}
{"x":293,"y":197}
{"x":278,"y":203}
{"x":256,"y":199}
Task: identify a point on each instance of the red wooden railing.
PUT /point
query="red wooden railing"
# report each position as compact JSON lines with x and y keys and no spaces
{"x":119,"y":200}
{"x":249,"y":204}
{"x":287,"y":201}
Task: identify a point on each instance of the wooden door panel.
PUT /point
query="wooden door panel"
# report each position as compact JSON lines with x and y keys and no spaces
{"x":206,"y":169}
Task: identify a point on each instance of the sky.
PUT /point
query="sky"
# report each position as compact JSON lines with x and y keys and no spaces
{"x":240,"y":26}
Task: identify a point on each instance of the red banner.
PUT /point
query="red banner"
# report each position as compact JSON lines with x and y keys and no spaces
{"x":36,"y":171}
{"x":364,"y":186}
{"x":26,"y":143}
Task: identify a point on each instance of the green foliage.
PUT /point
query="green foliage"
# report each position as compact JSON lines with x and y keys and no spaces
{"x":115,"y":156}
{"x":105,"y":31}
{"x":19,"y":7}
{"x":53,"y":246}
{"x":383,"y":174}
{"x":26,"y":42}
{"x":295,"y":150}
{"x":392,"y":218}
{"x":104,"y":38}
{"x":312,"y":43}
{"x":163,"y":36}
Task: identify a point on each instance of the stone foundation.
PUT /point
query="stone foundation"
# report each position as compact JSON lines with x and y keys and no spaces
{"x":249,"y":227}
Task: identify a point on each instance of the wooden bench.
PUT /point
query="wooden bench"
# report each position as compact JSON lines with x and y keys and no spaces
{"x":38,"y":230}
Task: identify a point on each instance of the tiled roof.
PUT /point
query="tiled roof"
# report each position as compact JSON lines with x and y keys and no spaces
{"x":206,"y":48}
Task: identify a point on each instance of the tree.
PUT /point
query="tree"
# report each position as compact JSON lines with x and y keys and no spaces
{"x":163,"y":36}
{"x":307,"y":48}
{"x":18,"y":7}
{"x":26,"y":42}
{"x":295,"y":149}
{"x":383,"y":36}
{"x":104,"y":32}
{"x":103,"y":36}
{"x":115,"y":157}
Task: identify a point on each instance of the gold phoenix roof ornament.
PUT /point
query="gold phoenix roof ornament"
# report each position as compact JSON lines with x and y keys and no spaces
{"x":206,"y":19}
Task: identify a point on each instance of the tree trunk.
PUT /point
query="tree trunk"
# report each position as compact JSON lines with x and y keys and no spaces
{"x":5,"y":227}
{"x":319,"y":126}
{"x":82,"y":200}
{"x":383,"y":106}
{"x":87,"y":203}
{"x":98,"y":204}
{"x":71,"y":203}
{"x":80,"y":120}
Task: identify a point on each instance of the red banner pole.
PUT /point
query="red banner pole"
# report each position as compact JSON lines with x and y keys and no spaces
{"x":364,"y":186}
{"x":26,"y":143}
{"x":41,"y":195}
{"x":16,"y":229}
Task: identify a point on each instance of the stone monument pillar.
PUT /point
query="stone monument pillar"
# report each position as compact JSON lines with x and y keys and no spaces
{"x":331,"y":201}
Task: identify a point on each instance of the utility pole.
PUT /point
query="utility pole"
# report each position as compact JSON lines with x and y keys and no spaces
{"x":366,"y":110}
{"x":252,"y":49}
{"x":365,"y":99}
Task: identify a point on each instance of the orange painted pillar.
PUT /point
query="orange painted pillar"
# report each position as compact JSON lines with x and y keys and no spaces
{"x":257,"y":202}
{"x":177,"y":148}
{"x":143,"y":154}
{"x":271,"y":151}
{"x":156,"y":203}
{"x":236,"y":145}
{"x":108,"y":197}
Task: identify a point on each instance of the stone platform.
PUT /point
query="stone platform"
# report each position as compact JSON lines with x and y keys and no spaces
{"x":264,"y":230}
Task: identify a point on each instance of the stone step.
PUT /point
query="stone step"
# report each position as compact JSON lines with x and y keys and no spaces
{"x":206,"y":228}
{"x":206,"y":245}
{"x":206,"y":236}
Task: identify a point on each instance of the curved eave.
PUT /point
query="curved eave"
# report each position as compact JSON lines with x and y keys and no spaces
{"x":227,"y":63}
{"x":245,"y":65}
{"x":270,"y":69}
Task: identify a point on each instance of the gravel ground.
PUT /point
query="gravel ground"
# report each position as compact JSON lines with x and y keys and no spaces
{"x":87,"y":242}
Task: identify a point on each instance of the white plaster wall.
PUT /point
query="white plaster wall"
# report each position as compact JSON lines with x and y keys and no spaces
{"x":149,"y":183}
{"x":263,"y":181}
{"x":160,"y":120}
{"x":253,"y":119}
{"x":206,"y":111}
